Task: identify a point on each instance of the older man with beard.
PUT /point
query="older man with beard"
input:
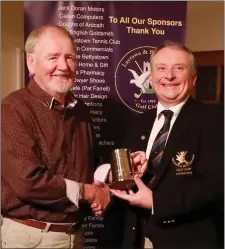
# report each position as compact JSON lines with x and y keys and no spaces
{"x":47,"y":150}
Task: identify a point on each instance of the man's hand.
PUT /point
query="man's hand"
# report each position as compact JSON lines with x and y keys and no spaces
{"x":139,"y":163}
{"x":143,"y":198}
{"x":98,"y":195}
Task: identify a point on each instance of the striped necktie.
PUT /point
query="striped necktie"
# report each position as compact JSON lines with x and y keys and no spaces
{"x":160,"y":141}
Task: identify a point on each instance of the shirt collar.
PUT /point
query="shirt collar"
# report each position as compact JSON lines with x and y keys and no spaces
{"x":176,"y":108}
{"x":49,"y":101}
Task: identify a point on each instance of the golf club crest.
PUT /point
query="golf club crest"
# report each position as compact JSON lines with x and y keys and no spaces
{"x":132,"y":80}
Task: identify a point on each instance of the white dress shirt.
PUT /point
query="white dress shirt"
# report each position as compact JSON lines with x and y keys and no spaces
{"x":159,"y":121}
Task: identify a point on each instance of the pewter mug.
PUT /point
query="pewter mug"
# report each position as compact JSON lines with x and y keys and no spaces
{"x":122,"y":175}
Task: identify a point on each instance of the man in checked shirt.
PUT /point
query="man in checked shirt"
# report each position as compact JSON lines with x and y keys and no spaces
{"x":47,"y":150}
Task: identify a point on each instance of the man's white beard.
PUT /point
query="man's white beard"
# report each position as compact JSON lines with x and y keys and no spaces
{"x":61,"y":87}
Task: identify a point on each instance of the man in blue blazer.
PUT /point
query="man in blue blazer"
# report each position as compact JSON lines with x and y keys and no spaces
{"x":180,"y":198}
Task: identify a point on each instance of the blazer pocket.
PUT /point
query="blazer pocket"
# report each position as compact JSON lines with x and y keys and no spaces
{"x":182,"y":163}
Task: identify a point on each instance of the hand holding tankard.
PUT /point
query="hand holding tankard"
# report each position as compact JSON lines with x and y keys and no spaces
{"x":124,"y":165}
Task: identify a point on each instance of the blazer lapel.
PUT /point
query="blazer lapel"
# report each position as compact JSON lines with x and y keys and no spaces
{"x":179,"y":127}
{"x":150,"y":119}
{"x":147,"y":121}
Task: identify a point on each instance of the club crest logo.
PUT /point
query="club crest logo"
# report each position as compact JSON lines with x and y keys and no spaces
{"x":132,"y":80}
{"x":183,"y":163}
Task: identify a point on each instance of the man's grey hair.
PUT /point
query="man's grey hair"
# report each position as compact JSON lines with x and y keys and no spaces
{"x":176,"y":45}
{"x":35,"y":35}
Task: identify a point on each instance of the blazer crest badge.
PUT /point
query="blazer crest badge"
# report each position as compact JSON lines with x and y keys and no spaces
{"x":183,"y":163}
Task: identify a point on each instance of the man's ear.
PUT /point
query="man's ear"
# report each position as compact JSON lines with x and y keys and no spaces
{"x":194,"y":79}
{"x":31,"y":59}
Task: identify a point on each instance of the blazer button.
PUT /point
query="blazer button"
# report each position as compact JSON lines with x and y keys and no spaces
{"x":143,"y":137}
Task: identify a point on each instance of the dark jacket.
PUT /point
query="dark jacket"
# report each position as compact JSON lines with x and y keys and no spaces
{"x":187,"y":191}
{"x":188,"y":199}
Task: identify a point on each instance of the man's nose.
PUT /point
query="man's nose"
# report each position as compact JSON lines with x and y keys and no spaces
{"x":170,"y":74}
{"x":62,"y":64}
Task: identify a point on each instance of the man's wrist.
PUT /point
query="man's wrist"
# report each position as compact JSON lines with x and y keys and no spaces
{"x":87,"y":192}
